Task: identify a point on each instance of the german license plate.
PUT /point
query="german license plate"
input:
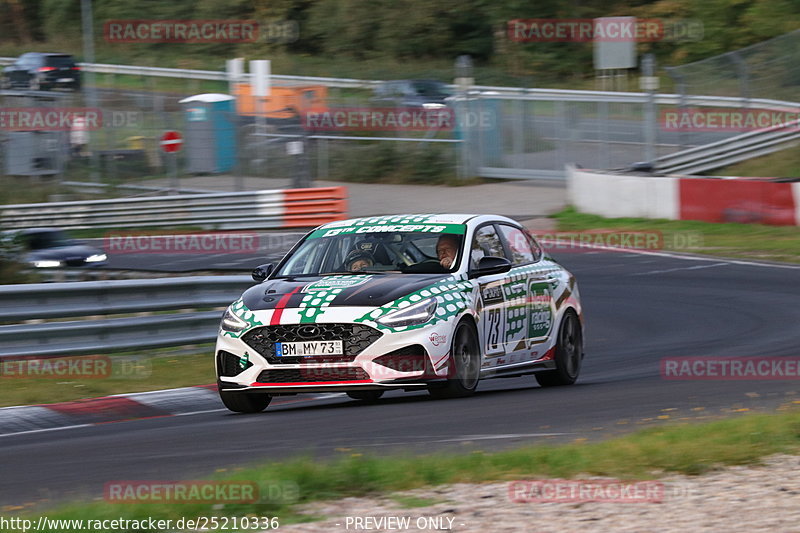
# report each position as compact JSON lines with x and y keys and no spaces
{"x":300,"y":349}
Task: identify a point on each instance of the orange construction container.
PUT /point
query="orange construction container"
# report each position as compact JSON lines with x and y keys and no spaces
{"x":281,"y":101}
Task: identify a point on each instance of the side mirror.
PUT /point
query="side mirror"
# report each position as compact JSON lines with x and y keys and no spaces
{"x":262,"y":272}
{"x":491,"y":265}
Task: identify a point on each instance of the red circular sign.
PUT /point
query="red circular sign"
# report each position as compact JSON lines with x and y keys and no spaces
{"x":171,"y":141}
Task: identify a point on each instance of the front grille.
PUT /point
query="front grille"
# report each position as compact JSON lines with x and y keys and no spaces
{"x":230,"y":365}
{"x":355,"y":339}
{"x":311,"y":375}
{"x":74,"y":261}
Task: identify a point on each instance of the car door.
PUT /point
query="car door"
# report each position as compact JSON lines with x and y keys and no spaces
{"x":534,"y":283}
{"x":494,"y":306}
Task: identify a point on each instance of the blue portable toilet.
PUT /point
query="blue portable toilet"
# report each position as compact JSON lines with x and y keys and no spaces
{"x":210,"y":132}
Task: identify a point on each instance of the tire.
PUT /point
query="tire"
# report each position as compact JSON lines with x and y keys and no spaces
{"x":245,"y":402}
{"x":368,"y":396}
{"x":464,"y":366}
{"x":569,"y":354}
{"x":33,"y":84}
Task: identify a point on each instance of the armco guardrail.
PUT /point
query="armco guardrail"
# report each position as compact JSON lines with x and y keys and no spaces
{"x":21,"y":303}
{"x":488,"y":90}
{"x":730,"y":151}
{"x":280,"y":208}
{"x":213,"y":75}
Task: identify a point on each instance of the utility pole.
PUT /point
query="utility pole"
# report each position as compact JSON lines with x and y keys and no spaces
{"x":89,"y":86}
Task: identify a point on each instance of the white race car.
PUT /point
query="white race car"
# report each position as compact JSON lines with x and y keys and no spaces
{"x":409,"y":302}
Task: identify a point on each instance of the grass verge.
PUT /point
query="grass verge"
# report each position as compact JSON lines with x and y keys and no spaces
{"x":134,"y":372}
{"x":688,"y":448}
{"x":782,"y":164}
{"x":745,"y":241}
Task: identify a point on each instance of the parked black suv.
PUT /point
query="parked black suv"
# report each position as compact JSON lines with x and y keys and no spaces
{"x":39,"y":72}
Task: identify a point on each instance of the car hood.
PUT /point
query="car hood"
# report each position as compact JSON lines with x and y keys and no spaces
{"x":357,"y":290}
{"x":74,"y":251}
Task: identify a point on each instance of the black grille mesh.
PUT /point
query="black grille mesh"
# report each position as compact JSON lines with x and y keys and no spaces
{"x":311,"y":375}
{"x":355,"y":339}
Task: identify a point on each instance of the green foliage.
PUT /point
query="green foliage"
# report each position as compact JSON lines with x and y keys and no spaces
{"x":387,"y":162}
{"x":394,"y":31}
{"x":11,"y":270}
{"x":747,"y":241}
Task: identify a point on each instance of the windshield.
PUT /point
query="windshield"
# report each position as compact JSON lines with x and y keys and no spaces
{"x":59,"y":61}
{"x":47,"y":239}
{"x":430,"y":88}
{"x":376,"y":252}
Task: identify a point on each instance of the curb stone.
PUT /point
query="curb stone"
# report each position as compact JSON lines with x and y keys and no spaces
{"x":116,"y":408}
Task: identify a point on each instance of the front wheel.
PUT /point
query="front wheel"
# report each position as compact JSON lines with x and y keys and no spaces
{"x":569,"y":354}
{"x":245,"y":402}
{"x":464,"y":366}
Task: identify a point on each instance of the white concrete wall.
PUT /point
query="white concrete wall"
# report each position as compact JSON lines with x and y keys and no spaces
{"x":796,"y":195}
{"x":611,"y":195}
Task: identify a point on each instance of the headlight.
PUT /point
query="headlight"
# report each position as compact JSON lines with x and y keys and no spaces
{"x":413,"y":315}
{"x":47,"y":263}
{"x":231,"y":322}
{"x":96,"y":258}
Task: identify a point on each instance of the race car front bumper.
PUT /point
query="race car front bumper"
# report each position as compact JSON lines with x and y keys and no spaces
{"x":408,"y":359}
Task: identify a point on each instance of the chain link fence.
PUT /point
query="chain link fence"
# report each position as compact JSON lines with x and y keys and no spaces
{"x":765,"y":70}
{"x":487,"y":136}
{"x":499,"y":135}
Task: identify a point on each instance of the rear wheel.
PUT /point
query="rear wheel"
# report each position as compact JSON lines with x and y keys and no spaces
{"x":464,"y":366}
{"x":245,"y":402}
{"x":569,"y":354}
{"x":366,"y":395}
{"x":34,"y":84}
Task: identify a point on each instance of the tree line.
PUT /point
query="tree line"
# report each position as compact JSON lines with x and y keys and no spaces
{"x":410,"y":30}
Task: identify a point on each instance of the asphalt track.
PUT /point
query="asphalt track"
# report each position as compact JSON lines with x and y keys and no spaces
{"x":639,"y":308}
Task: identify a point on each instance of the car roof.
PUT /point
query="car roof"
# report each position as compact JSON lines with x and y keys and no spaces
{"x":443,"y":218}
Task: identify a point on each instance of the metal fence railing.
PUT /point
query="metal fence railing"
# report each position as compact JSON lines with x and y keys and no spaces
{"x":61,"y":319}
{"x":241,"y":210}
{"x":764,"y":70}
{"x":527,"y":133}
{"x":731,"y":150}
